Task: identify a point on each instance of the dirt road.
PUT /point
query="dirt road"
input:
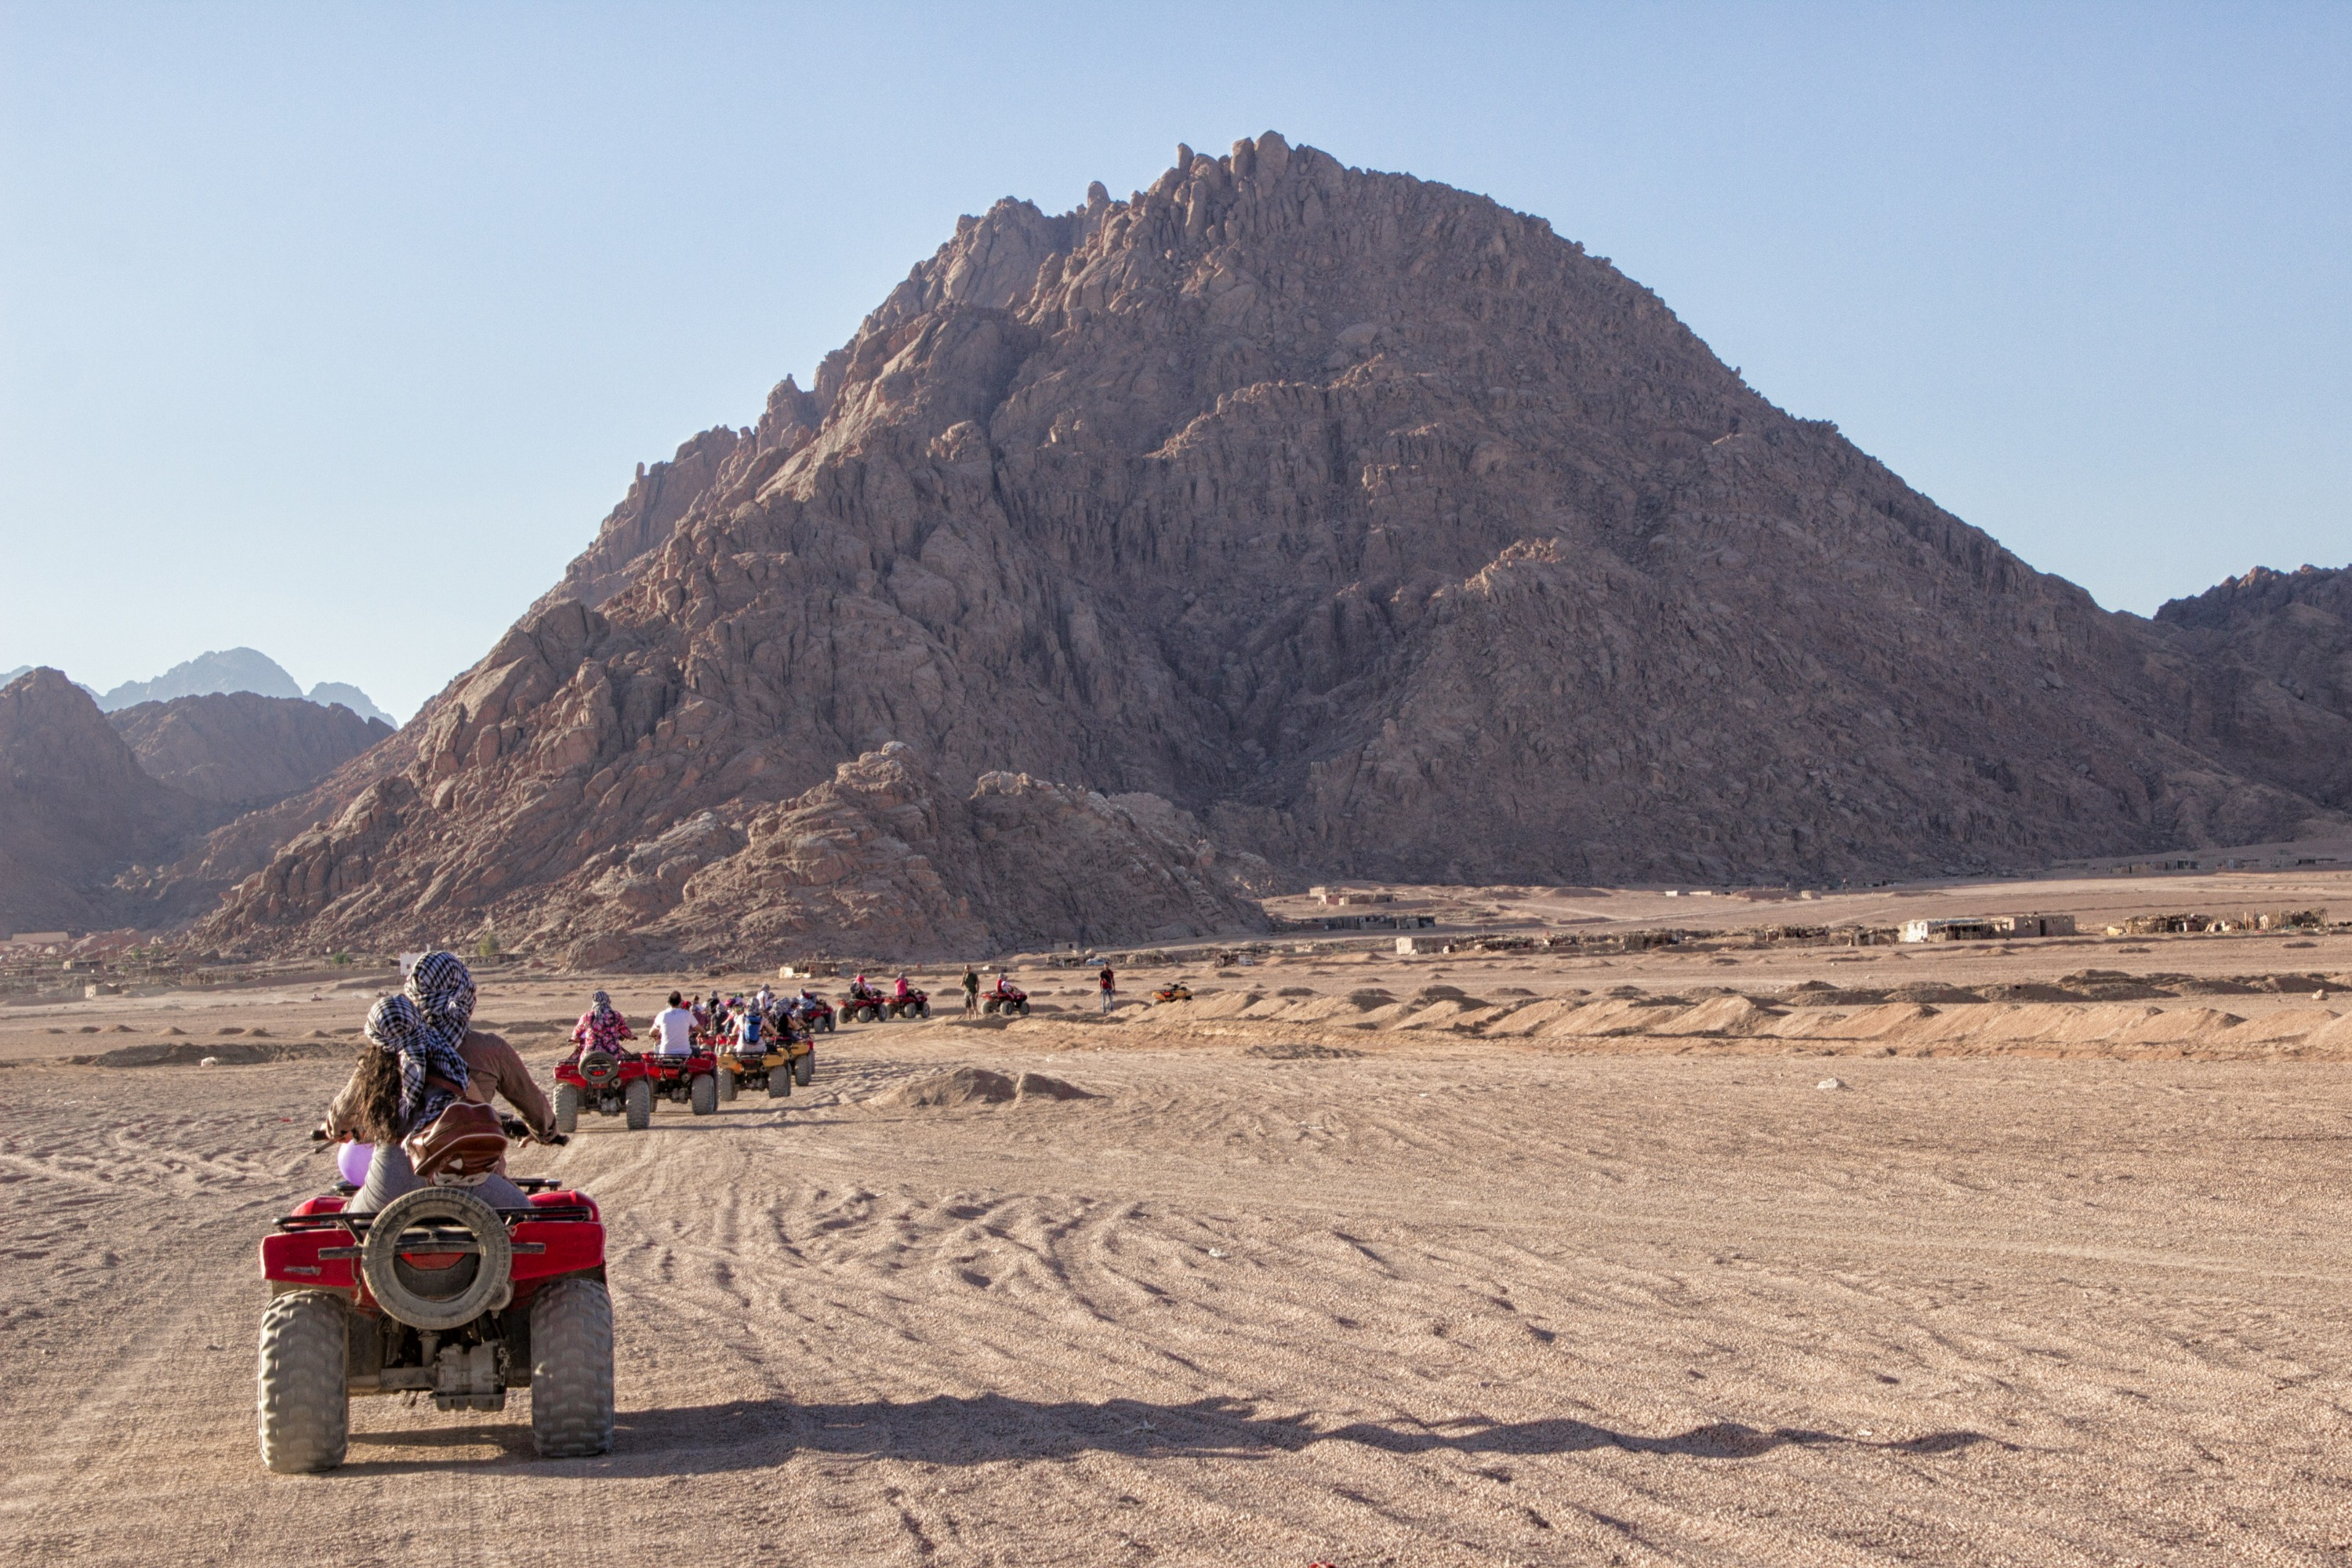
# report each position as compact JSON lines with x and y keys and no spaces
{"x":1440,"y":1302}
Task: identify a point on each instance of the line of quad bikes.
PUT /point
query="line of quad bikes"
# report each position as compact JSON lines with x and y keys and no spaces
{"x":439,"y":1293}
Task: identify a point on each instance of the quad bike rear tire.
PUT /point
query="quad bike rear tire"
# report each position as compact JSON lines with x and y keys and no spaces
{"x":804,"y":1070}
{"x":637,"y":1101}
{"x":780,"y":1080}
{"x":702,"y":1094}
{"x":572,"y":1370}
{"x":304,"y":1407}
{"x":492,"y":1285}
{"x":827,"y":1022}
{"x":727,"y":1084}
{"x":567,"y":1108}
{"x":991,"y":1004}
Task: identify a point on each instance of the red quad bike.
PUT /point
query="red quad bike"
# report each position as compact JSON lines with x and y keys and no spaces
{"x":913,"y":1005}
{"x":864,"y":1005}
{"x":1012,"y":1001}
{"x":438,"y":1293}
{"x":818,"y":1014}
{"x":627,"y":1083}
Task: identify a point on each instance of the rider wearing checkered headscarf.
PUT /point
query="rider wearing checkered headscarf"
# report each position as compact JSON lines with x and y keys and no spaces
{"x":425,"y":1052}
{"x":442,"y":987}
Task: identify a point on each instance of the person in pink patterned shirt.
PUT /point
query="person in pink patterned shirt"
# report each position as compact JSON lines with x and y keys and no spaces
{"x":601,"y":1029}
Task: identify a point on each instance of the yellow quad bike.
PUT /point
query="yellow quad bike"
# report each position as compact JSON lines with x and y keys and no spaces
{"x":774,"y":1065}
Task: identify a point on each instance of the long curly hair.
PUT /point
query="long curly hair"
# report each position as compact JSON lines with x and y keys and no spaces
{"x":377,"y":1075}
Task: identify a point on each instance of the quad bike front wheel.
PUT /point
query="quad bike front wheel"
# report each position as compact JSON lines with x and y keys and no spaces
{"x":304,"y":1407}
{"x":572,"y":1369}
{"x":803,"y":1069}
{"x":567,"y":1109}
{"x":702,"y":1094}
{"x":438,"y":1221}
{"x":637,"y":1101}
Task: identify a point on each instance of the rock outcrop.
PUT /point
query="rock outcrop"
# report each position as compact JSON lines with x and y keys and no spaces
{"x":1373,"y":523}
{"x":75,"y":809}
{"x":241,"y":751}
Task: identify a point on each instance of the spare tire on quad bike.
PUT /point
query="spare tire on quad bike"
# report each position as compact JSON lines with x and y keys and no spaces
{"x":599,"y":1070}
{"x":804,"y":1069}
{"x":572,"y":1369}
{"x":305,"y":1408}
{"x":429,"y":1221}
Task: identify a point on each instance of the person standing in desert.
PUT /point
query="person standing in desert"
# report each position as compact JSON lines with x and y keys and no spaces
{"x":1109,"y":985}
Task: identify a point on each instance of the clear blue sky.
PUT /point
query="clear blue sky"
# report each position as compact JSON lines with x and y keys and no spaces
{"x":335,"y":329}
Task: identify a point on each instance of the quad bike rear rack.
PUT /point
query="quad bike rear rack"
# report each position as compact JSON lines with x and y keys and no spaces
{"x":357,"y":1224}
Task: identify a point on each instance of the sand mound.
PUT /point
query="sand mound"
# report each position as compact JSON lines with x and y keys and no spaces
{"x":944,"y":1091}
{"x":1724,"y":1015}
{"x":2334,"y":1036}
{"x":975,"y":1086}
{"x":1037,"y":1086}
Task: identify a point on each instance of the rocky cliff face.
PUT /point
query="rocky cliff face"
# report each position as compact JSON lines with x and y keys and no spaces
{"x":242,"y":751}
{"x":1374,"y":524}
{"x":2264,"y":666}
{"x":74,"y":810}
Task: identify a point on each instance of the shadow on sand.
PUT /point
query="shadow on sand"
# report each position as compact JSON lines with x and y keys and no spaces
{"x":758,"y":1434}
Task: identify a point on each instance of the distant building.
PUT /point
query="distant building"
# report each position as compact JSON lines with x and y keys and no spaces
{"x":1987,"y":928}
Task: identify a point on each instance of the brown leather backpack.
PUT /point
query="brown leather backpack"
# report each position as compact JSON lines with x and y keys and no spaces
{"x":462,"y":1143}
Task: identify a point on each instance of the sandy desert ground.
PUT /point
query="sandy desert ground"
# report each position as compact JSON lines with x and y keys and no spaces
{"x":1313,"y":1279}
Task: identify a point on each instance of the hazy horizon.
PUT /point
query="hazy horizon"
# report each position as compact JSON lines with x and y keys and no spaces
{"x":334,"y":334}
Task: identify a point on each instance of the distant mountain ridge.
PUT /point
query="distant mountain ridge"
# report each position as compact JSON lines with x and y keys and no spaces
{"x":231,"y":670}
{"x":226,"y":670}
{"x":92,"y":805}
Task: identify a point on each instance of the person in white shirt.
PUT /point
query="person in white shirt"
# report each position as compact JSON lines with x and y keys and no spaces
{"x":673,"y":1027}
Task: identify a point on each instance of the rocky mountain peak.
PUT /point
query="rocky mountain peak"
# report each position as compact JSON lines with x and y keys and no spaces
{"x":1373,"y":524}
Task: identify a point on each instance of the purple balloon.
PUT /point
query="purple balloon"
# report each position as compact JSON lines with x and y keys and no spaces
{"x":352,"y":1160}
